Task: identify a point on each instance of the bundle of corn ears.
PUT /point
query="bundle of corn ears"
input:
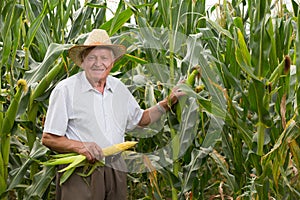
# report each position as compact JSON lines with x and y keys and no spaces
{"x":75,"y":160}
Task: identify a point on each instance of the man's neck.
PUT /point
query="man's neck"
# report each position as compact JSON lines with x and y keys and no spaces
{"x":99,"y":85}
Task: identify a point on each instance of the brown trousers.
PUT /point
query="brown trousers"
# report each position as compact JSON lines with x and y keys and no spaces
{"x":105,"y":183}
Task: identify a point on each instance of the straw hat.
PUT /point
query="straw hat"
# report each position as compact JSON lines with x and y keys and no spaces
{"x":96,"y":37}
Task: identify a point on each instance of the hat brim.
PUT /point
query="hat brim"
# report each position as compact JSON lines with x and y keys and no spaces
{"x":74,"y":52}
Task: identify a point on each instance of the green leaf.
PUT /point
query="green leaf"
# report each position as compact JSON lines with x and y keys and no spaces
{"x":41,"y":182}
{"x":82,"y":15}
{"x":219,"y":28}
{"x":191,"y":170}
{"x":37,"y":151}
{"x":135,"y":59}
{"x":54,"y":51}
{"x":242,"y":55}
{"x":34,"y":28}
{"x":116,"y":23}
{"x":66,"y":175}
{"x":290,"y":133}
{"x":53,"y":3}
{"x":160,"y":72}
{"x":45,"y":82}
{"x":229,"y":178}
{"x":187,"y":130}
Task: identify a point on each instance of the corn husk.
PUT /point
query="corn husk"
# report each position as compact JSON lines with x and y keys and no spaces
{"x":74,"y":160}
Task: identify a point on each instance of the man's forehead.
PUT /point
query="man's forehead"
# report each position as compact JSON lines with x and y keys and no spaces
{"x":101,"y":51}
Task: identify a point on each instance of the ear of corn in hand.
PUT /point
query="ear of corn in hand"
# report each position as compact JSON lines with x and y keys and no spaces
{"x":76,"y":160}
{"x":114,"y":149}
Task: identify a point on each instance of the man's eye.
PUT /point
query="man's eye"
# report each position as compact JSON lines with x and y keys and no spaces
{"x":91,"y":58}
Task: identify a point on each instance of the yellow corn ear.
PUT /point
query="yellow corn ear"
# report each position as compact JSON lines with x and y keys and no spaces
{"x":76,"y":160}
{"x":67,"y":158}
{"x":117,"y":148}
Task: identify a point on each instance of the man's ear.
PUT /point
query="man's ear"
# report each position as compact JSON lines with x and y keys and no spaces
{"x":81,"y":66}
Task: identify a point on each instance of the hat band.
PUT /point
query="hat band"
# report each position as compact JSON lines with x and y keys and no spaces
{"x":98,"y":43}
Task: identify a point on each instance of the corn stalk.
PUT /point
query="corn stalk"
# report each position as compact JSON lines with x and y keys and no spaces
{"x":247,"y":150}
{"x":8,"y":123}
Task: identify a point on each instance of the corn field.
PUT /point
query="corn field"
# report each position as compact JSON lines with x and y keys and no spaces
{"x":235,"y":135}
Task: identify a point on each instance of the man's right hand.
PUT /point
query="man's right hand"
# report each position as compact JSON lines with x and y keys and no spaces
{"x":62,"y":144}
{"x":91,"y":151}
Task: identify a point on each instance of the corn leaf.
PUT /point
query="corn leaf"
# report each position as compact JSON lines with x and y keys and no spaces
{"x":37,"y":151}
{"x":36,"y":74}
{"x":41,"y":182}
{"x":78,"y":159}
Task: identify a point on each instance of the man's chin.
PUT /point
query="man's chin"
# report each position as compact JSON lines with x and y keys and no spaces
{"x":99,"y":75}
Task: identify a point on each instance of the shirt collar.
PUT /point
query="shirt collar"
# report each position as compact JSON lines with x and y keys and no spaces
{"x":109,"y":85}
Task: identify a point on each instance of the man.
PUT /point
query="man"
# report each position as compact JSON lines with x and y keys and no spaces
{"x":92,"y":110}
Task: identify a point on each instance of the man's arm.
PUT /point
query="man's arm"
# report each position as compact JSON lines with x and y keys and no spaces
{"x":154,"y":113}
{"x":62,"y":144}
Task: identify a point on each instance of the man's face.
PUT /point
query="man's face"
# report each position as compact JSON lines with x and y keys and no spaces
{"x":97,"y":64}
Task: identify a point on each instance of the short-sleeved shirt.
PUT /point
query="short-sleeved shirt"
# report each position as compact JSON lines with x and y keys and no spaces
{"x":78,"y":111}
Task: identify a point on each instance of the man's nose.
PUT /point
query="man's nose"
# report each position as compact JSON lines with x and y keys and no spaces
{"x":98,"y":62}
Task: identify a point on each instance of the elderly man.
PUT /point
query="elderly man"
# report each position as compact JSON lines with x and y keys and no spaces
{"x":92,"y":110}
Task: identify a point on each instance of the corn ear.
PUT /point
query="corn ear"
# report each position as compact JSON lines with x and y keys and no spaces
{"x":67,"y":158}
{"x":117,"y":148}
{"x":76,"y":160}
{"x":190,"y":81}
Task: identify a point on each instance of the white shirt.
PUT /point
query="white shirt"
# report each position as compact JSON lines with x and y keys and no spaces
{"x":78,"y":111}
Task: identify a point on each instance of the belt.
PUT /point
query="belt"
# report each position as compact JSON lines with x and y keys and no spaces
{"x":112,"y":158}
